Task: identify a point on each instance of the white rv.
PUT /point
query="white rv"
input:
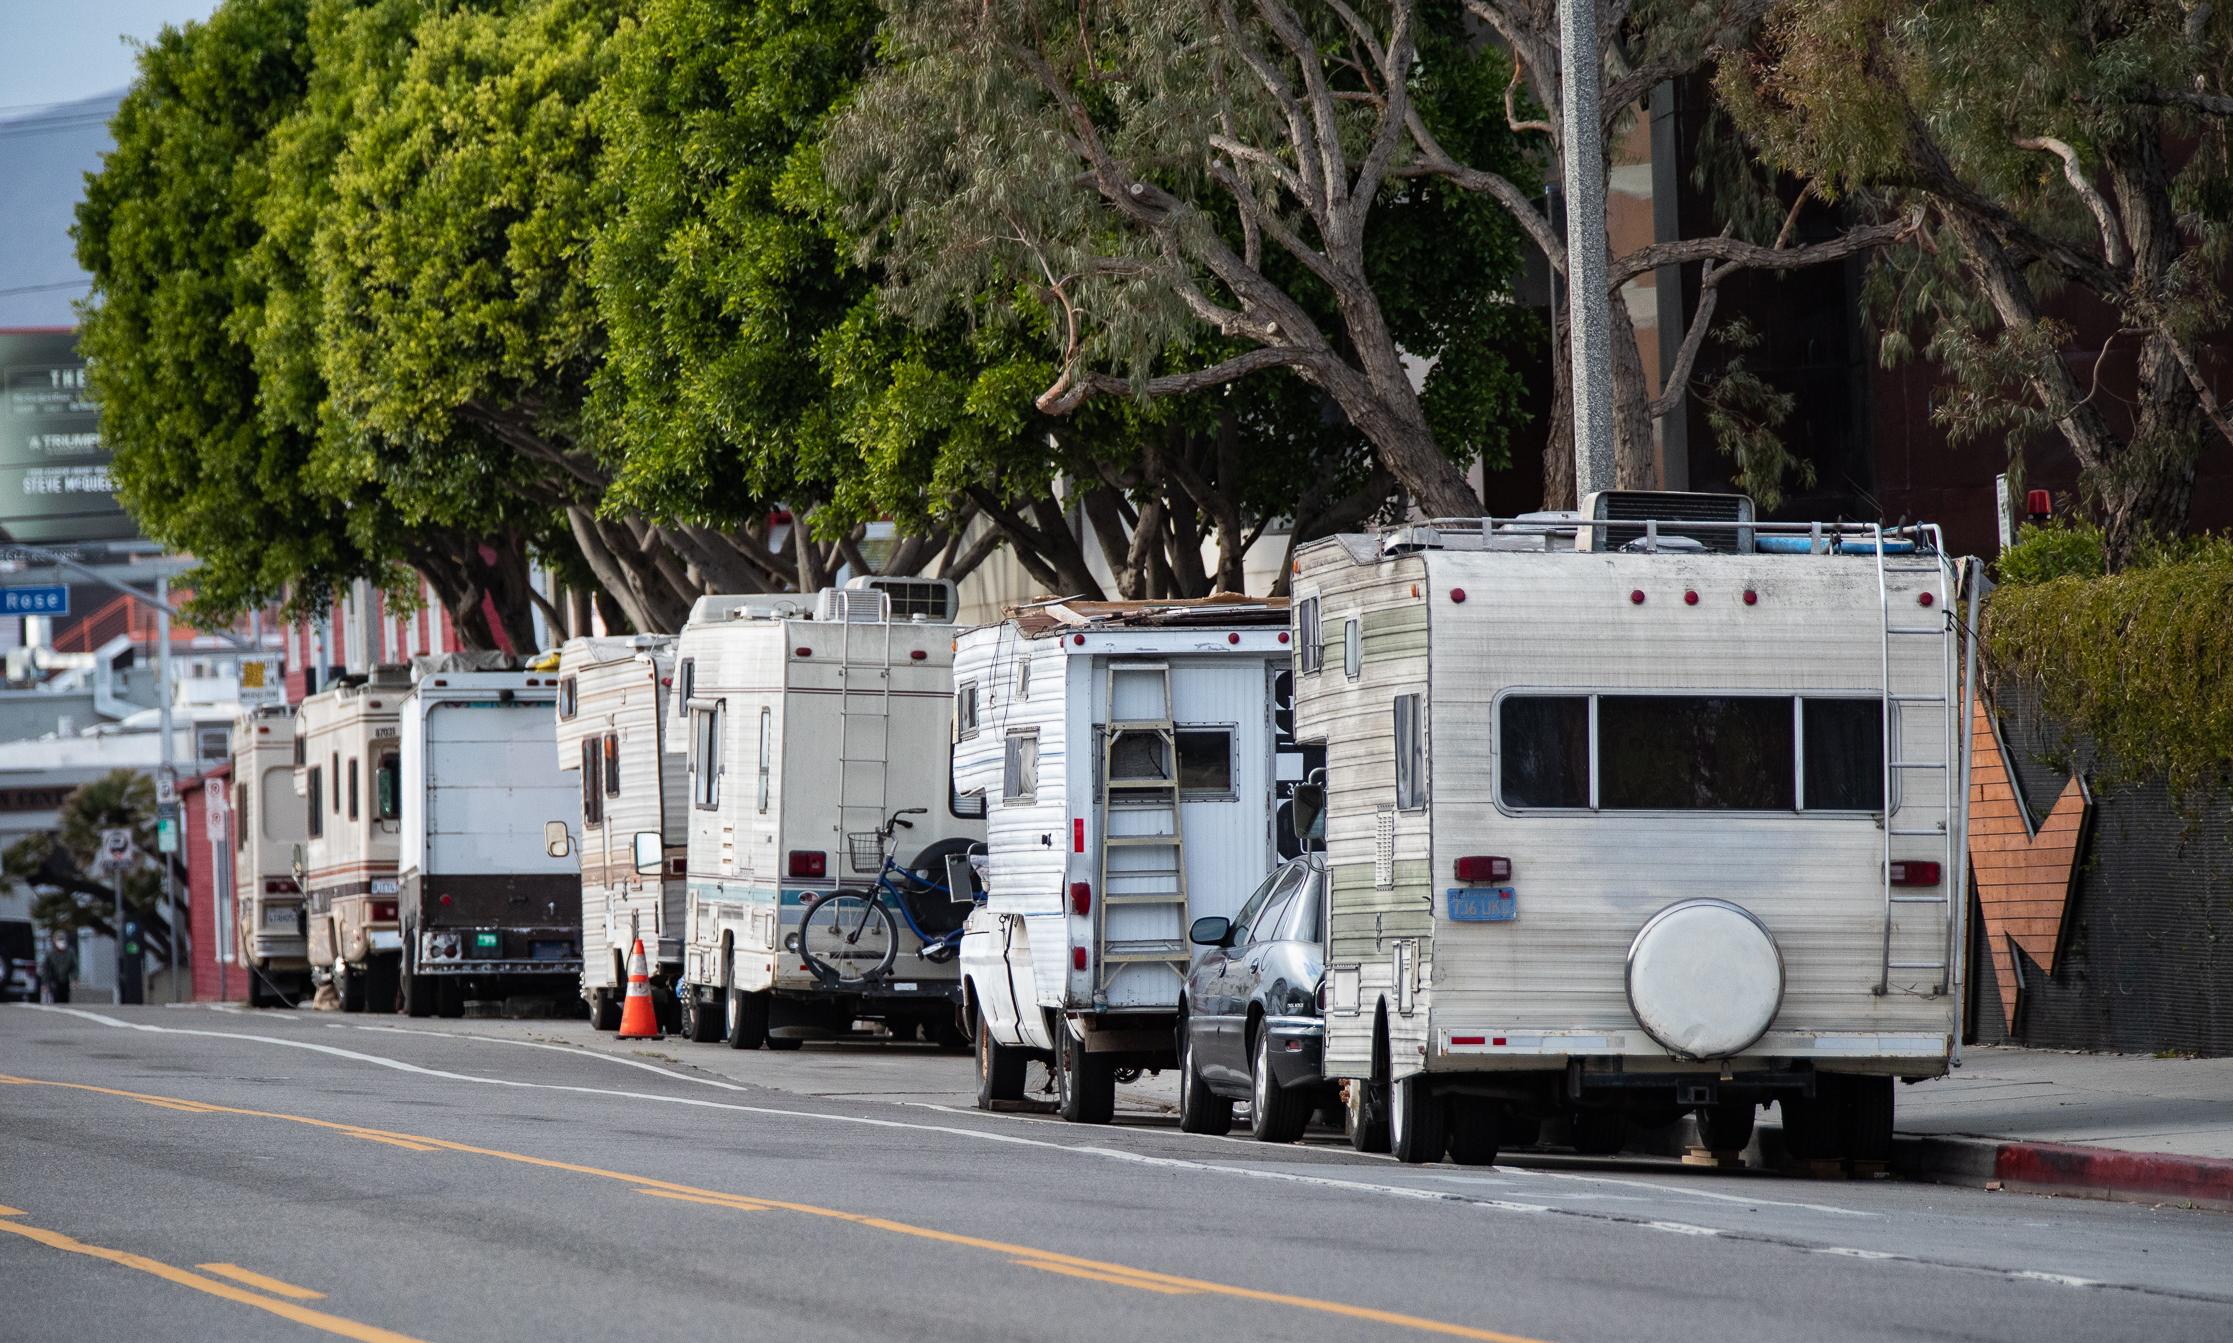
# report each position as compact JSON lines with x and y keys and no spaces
{"x":634,"y":794}
{"x":1650,"y":810}
{"x":346,"y":738}
{"x":808,"y":723}
{"x":484,"y":907}
{"x":268,"y":822}
{"x":1126,"y":757}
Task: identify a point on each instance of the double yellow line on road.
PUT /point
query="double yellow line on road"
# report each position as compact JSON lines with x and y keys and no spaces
{"x":1026,"y":1255}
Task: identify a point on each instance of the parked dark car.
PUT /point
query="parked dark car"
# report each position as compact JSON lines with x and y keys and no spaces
{"x":19,"y":962}
{"x":1252,"y":1029}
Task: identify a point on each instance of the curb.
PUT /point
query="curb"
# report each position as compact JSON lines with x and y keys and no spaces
{"x":2068,"y":1170}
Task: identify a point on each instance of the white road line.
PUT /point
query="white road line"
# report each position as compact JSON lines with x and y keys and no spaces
{"x":1684,"y":1228}
{"x":1701,"y":1193}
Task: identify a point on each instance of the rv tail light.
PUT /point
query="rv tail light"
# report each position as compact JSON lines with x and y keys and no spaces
{"x":1283,"y":636}
{"x":1232,"y":638}
{"x":917,"y":654}
{"x":802,"y":651}
{"x":1914,"y":872}
{"x":445,"y":901}
{"x":1480,"y":868}
{"x":383,"y":910}
{"x":1924,"y":599}
{"x":1077,"y":958}
{"x":1081,"y":897}
{"x":1751,"y":598}
{"x":1078,"y":639}
{"x":1636,"y":597}
{"x":1459,"y":1040}
{"x":1077,"y":834}
{"x":1690,"y":598}
{"x":809,"y":863}
{"x":1457,"y":595}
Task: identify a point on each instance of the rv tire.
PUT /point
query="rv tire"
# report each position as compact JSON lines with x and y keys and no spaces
{"x":1476,"y":1130}
{"x":748,"y":1019}
{"x":1418,"y":1121}
{"x":1085,"y":1086}
{"x":1000,"y":1070}
{"x":604,"y":1010}
{"x":1276,"y":1113}
{"x":418,"y":995}
{"x":1368,"y":1097}
{"x":699,"y":1026}
{"x":1727,"y":1127}
{"x":348,"y":986}
{"x":383,"y":984}
{"x":1200,"y":1109}
{"x":1599,"y":1132}
{"x":449,"y":998}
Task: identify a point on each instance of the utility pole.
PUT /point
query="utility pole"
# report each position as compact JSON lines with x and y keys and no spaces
{"x":1588,"y":320}
{"x":166,"y":779}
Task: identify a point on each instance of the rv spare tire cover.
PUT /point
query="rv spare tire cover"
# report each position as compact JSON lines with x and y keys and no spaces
{"x":1704,"y":979}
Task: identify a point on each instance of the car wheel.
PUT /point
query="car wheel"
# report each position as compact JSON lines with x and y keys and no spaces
{"x":1000,"y":1070}
{"x":1476,"y":1129}
{"x":1276,"y":1113}
{"x":1418,"y":1127}
{"x":748,"y":1019}
{"x":1201,"y":1110}
{"x":604,"y":1010}
{"x":1085,"y":1086}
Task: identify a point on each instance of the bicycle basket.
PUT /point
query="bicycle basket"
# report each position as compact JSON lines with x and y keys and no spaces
{"x":866,"y":850}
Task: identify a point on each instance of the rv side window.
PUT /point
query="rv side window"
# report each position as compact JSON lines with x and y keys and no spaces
{"x":1411,"y":755}
{"x":1019,"y":774}
{"x":705,"y":743}
{"x":612,"y":764}
{"x":965,"y":710}
{"x":1843,"y":742}
{"x":1352,"y":647}
{"x":352,"y":788}
{"x":569,"y":697}
{"x":333,"y":762}
{"x":1543,"y":750}
{"x":1695,"y":753}
{"x":593,"y":798}
{"x":962,"y":806}
{"x":301,"y":752}
{"x":388,"y":787}
{"x":317,"y":799}
{"x":1205,"y":760}
{"x":686,"y":680}
{"x":242,"y":821}
{"x":767,"y":753}
{"x":1310,"y":649}
{"x":1023,"y":678}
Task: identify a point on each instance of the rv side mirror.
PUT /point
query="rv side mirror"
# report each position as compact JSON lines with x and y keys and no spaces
{"x":558,"y":841}
{"x":299,"y":864}
{"x":1210,"y":932}
{"x":651,"y":851}
{"x":1307,"y":810}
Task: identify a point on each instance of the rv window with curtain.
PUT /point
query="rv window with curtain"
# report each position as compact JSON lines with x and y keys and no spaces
{"x":569,"y":697}
{"x":612,"y":764}
{"x":965,"y":710}
{"x":1310,"y":647}
{"x":705,"y":756}
{"x":1019,"y":773}
{"x":333,"y":762}
{"x":767,"y":754}
{"x":593,"y":798}
{"x":1695,"y":753}
{"x":1352,"y":648}
{"x":316,"y":797}
{"x":1843,"y":742}
{"x":388,"y":787}
{"x":1543,"y":750}
{"x":352,"y":788}
{"x":686,"y":679}
{"x":1411,"y":755}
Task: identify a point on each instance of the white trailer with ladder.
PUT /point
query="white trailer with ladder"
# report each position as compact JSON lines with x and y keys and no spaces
{"x":1126,"y":756}
{"x":809,"y":721}
{"x":1646,"y":810}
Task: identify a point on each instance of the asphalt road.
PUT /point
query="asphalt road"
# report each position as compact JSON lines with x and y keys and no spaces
{"x":202,"y":1174}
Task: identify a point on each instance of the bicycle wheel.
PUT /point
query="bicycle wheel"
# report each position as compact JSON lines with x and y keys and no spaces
{"x":848,"y":937}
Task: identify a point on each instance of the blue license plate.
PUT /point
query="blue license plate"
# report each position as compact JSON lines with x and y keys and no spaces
{"x":1481,"y":904}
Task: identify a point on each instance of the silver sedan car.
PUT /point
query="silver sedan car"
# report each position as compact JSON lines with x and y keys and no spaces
{"x":1252,"y":1028}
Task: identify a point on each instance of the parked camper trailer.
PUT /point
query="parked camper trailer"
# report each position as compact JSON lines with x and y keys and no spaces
{"x":1126,"y":756}
{"x":268,"y":822}
{"x":808,"y":722}
{"x":632,"y":815}
{"x":348,"y":744}
{"x":485,"y":907}
{"x":1656,"y":810}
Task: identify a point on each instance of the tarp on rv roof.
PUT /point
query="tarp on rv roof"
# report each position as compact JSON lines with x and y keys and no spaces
{"x":1225,"y":609}
{"x":487,"y":660}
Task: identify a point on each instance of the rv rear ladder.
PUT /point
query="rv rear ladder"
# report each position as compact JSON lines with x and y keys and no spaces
{"x":1143,"y":787}
{"x":1951,"y":764}
{"x":864,"y":727}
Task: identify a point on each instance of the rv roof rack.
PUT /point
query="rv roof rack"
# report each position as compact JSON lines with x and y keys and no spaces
{"x":1822,"y":537}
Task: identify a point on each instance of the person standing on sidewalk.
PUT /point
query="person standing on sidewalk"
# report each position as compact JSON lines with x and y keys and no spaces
{"x":58,"y":965}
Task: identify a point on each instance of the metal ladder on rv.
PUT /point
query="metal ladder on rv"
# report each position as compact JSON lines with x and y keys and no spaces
{"x":864,"y":719}
{"x":1140,"y":785}
{"x":1950,"y":768}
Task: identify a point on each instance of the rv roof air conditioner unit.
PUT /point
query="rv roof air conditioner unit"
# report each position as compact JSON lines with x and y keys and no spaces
{"x":933,"y":599}
{"x":852,"y":606}
{"x":748,"y":606}
{"x":1671,"y":509}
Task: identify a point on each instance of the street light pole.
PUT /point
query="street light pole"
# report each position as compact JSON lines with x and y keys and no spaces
{"x":1588,"y":321}
{"x":166,"y":777}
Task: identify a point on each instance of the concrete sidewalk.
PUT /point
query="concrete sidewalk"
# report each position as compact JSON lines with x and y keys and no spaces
{"x":2130,"y":1127}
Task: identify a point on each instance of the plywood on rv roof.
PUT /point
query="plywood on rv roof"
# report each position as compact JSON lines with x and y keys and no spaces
{"x":1035,"y":622}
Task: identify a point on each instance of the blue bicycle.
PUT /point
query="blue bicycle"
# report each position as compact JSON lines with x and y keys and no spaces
{"x":849,"y":937}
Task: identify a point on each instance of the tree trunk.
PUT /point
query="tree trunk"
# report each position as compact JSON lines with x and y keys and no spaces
{"x":1558,"y":438}
{"x":1635,"y":462}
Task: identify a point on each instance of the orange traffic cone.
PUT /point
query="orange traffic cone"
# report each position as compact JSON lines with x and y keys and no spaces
{"x":638,"y":1021}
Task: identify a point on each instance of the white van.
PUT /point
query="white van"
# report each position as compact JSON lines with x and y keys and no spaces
{"x":1127,"y":758}
{"x":1640,"y":811}
{"x":808,"y":723}
{"x":612,"y":714}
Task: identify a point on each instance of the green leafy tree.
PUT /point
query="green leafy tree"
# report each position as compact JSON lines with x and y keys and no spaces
{"x":57,"y":865}
{"x":2066,"y":156}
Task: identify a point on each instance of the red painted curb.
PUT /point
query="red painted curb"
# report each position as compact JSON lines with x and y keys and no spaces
{"x":2106,"y":1172}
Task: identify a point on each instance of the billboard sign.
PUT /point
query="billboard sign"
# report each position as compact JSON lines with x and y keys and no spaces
{"x":54,"y":469}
